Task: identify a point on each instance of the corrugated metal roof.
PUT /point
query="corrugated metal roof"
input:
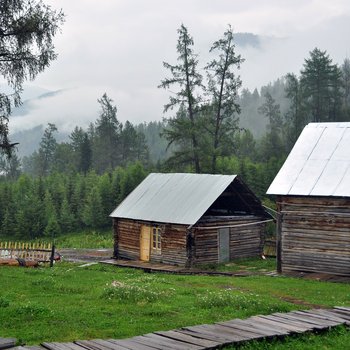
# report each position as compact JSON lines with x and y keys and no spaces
{"x":173,"y":198}
{"x":319,"y":163}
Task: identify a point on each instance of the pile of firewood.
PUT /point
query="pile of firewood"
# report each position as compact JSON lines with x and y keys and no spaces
{"x":18,"y":262}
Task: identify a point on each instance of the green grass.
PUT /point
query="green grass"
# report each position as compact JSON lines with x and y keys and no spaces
{"x":83,"y":239}
{"x":250,"y":264}
{"x":69,"y":302}
{"x":86,"y":239}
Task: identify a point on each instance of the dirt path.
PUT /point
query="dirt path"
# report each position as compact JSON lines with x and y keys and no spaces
{"x":85,"y":255}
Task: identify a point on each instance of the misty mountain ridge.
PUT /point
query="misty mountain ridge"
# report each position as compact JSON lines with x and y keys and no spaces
{"x":32,"y":96}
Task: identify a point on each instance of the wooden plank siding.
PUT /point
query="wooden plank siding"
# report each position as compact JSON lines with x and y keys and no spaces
{"x":315,"y":234}
{"x":127,"y":236}
{"x":245,"y":241}
{"x":127,"y":242}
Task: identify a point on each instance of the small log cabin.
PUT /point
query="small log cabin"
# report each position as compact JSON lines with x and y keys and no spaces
{"x":312,"y":191}
{"x":189,"y":219}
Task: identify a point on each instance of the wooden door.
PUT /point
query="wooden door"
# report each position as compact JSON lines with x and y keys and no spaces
{"x":224,"y":245}
{"x":145,"y":242}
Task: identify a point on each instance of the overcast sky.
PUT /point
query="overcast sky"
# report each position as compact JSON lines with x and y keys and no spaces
{"x":118,"y":46}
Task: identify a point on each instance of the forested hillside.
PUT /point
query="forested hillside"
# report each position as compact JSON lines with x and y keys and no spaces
{"x":214,"y":126}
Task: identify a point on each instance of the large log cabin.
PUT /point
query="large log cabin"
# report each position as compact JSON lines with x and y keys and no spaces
{"x":189,"y":219}
{"x":312,"y":191}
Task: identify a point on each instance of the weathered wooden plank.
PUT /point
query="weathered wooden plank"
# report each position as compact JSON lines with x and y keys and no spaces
{"x":174,"y":343}
{"x":157,"y":343}
{"x":325,"y":314}
{"x":130,"y":344}
{"x":343,"y":308}
{"x":7,"y":342}
{"x":100,"y":344}
{"x":206,"y":334}
{"x":208,"y":344}
{"x":316,"y":320}
{"x":247,"y":326}
{"x":312,"y":325}
{"x":239,"y":332}
{"x":226,"y":331}
{"x":27,"y":348}
{"x":320,"y":316}
{"x":62,"y":346}
{"x":341,"y":314}
{"x":263,"y":325}
{"x":287,"y":327}
{"x":303,"y":327}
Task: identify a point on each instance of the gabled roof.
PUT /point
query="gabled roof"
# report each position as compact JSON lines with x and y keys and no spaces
{"x":173,"y":198}
{"x":319,"y":163}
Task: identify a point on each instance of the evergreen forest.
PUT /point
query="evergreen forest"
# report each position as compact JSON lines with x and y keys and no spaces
{"x":212,"y":125}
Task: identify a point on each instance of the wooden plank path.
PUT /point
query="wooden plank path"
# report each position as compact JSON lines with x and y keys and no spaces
{"x":160,"y":267}
{"x":216,"y":335}
{"x":6,"y":343}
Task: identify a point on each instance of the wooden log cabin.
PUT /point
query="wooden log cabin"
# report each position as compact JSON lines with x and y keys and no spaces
{"x":312,"y":191}
{"x":189,"y":219}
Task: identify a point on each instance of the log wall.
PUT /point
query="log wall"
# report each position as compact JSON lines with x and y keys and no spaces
{"x":127,"y":242}
{"x":315,"y":234}
{"x":174,"y":245}
{"x":245,"y":241}
{"x":127,"y":239}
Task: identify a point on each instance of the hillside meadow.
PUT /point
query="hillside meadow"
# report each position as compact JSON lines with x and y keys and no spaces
{"x":70,"y":301}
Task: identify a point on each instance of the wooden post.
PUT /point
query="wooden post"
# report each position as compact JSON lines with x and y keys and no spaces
{"x":52,"y":257}
{"x":116,"y":239}
{"x":189,"y":247}
{"x":279,"y":242}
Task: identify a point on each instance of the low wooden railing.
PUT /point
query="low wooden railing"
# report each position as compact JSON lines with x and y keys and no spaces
{"x":40,"y":252}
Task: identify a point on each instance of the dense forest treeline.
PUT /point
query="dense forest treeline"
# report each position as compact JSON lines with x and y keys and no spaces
{"x":34,"y":207}
{"x":214,"y":128}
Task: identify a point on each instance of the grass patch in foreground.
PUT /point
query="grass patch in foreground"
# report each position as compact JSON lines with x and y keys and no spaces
{"x":337,"y":338}
{"x":255,"y":264}
{"x":68,"y":302}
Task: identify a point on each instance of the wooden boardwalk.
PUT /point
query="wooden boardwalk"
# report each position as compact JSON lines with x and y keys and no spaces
{"x":216,"y":335}
{"x":6,"y":343}
{"x":160,"y":267}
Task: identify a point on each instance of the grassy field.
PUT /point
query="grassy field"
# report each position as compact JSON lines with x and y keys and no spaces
{"x":83,"y":239}
{"x":69,"y":302}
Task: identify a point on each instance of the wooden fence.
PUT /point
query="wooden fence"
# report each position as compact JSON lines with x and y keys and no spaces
{"x":40,"y":252}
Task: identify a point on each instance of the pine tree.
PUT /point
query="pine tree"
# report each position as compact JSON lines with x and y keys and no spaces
{"x":223,"y":86}
{"x":26,"y":41}
{"x":93,"y":214}
{"x":106,"y":137}
{"x":47,"y":149}
{"x":320,"y":79}
{"x":67,"y":221}
{"x":296,"y":117}
{"x":184,"y":129}
{"x":272,"y":143}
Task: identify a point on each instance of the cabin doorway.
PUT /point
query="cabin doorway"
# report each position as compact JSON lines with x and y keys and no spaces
{"x":224,"y":245}
{"x":145,"y":242}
